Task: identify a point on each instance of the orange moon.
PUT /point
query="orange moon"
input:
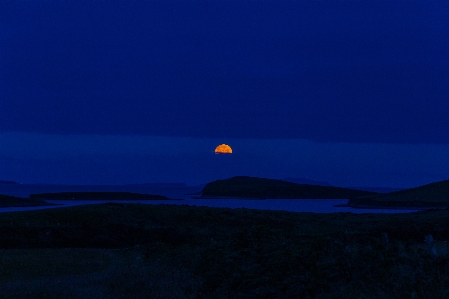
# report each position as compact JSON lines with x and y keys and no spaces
{"x":223,"y":149}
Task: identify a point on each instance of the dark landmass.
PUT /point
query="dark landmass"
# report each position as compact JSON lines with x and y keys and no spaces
{"x":97,"y":196}
{"x":8,"y":182}
{"x":306,"y":181}
{"x":435,"y":195}
{"x":13,"y":201}
{"x":260,"y":188}
{"x":168,"y":251}
{"x":35,"y":200}
{"x":158,"y":185}
{"x":378,"y":189}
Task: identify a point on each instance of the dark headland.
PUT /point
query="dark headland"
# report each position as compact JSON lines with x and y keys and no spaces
{"x":35,"y":200}
{"x":2,"y":182}
{"x":13,"y":201}
{"x":96,"y":196}
{"x":434,"y":195}
{"x":306,"y":181}
{"x":261,"y":188}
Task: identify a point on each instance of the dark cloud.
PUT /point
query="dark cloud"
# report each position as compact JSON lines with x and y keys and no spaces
{"x":359,"y":71}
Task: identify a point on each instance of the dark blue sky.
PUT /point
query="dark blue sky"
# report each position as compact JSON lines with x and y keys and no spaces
{"x":337,"y":75}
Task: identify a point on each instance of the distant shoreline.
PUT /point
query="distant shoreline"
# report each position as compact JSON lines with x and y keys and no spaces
{"x":390,"y":207}
{"x":24,"y":204}
{"x":228,"y":197}
{"x":3,"y":182}
{"x":40,"y":200}
{"x":254,"y":198}
{"x":96,"y":196}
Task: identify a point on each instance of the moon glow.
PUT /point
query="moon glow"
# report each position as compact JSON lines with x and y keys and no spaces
{"x":223,"y":149}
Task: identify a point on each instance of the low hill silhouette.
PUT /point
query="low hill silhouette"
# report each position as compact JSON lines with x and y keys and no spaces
{"x":262,"y":188}
{"x":13,"y":201}
{"x":2,"y":182}
{"x":430,"y":195}
{"x":306,"y":181}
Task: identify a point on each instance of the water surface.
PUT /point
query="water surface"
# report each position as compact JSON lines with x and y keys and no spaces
{"x":184,"y":193}
{"x":291,"y":205}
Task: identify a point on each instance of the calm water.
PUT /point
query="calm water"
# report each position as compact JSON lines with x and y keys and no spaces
{"x":292,"y":205}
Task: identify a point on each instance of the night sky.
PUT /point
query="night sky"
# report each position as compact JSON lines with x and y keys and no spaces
{"x":355,"y":93}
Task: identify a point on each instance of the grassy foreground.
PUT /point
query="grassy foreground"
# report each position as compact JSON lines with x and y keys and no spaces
{"x":147,"y":251}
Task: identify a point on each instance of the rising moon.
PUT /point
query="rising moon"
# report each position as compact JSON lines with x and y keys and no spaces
{"x":223,"y":149}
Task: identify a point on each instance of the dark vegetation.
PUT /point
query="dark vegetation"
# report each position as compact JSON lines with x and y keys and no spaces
{"x":13,"y":201}
{"x":96,"y":195}
{"x":252,"y":187}
{"x":165,"y":251}
{"x":430,"y":195}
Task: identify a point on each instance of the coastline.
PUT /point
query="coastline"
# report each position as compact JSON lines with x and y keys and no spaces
{"x":42,"y":199}
{"x":227,"y":197}
{"x":28,"y":205}
{"x":355,"y":206}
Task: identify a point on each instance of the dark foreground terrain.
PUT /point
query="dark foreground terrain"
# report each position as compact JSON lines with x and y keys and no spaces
{"x":148,"y":251}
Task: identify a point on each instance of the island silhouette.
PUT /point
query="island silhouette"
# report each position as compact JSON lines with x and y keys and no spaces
{"x":262,"y":188}
{"x":428,"y":196}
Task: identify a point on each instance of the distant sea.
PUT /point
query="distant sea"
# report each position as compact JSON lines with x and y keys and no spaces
{"x":185,"y":194}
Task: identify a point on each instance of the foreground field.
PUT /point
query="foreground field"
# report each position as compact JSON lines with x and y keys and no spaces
{"x":146,"y":251}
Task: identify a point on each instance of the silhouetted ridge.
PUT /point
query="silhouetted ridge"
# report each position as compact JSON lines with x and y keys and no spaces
{"x":13,"y":201}
{"x":8,"y":182}
{"x":430,"y":195}
{"x":306,"y":181}
{"x":253,"y":187}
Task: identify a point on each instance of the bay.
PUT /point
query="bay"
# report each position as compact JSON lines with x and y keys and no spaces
{"x":184,"y":195}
